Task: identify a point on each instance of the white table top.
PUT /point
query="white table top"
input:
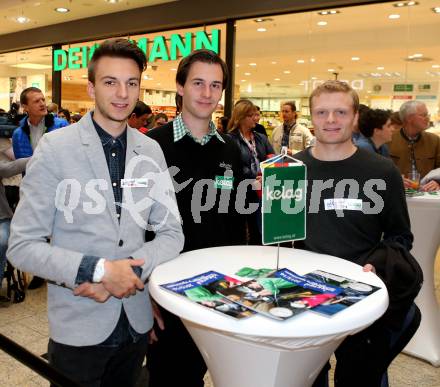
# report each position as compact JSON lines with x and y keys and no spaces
{"x":425,"y":199}
{"x":228,"y":260}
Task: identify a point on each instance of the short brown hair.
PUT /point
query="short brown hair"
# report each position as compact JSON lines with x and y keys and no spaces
{"x":333,"y":86}
{"x":291,"y":104}
{"x":25,"y":92}
{"x":205,"y":56}
{"x":117,"y":48}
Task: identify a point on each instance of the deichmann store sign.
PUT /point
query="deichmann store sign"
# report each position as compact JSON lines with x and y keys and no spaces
{"x":160,"y":47}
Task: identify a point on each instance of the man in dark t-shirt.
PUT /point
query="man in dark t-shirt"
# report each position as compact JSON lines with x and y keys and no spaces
{"x":354,"y":200}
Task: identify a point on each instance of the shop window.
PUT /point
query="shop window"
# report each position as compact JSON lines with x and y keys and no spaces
{"x":22,"y":69}
{"x":389,"y":54}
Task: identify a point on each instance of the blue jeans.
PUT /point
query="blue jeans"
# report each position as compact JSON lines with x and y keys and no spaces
{"x":4,"y":236}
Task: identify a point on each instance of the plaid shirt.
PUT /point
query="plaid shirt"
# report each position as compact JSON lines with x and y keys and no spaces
{"x":180,"y":130}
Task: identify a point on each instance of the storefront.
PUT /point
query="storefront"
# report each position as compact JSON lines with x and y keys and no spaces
{"x":387,"y":51}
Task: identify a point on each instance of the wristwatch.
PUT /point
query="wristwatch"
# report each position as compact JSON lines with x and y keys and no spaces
{"x":99,"y":272}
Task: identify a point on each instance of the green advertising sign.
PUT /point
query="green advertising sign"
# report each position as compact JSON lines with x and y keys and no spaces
{"x":403,"y":87}
{"x":177,"y":46}
{"x":283,"y":203}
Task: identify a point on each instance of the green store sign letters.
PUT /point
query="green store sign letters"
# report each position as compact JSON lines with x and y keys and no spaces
{"x":159,"y":48}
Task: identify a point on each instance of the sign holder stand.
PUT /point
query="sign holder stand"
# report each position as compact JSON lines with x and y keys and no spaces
{"x":278,"y":256}
{"x":300,"y":217}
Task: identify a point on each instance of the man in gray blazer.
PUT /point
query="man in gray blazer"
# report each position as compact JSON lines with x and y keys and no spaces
{"x":93,"y":188}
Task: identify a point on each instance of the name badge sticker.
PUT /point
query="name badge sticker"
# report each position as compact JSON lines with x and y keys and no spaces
{"x":343,"y":204}
{"x":224,"y":182}
{"x":134,"y":183}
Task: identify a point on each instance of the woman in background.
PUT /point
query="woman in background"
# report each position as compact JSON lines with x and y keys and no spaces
{"x":254,"y":148}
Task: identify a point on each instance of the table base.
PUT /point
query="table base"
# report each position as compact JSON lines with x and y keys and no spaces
{"x":425,"y":225}
{"x":240,"y":361}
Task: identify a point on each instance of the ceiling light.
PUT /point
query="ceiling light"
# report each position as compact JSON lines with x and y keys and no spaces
{"x":300,"y":61}
{"x":22,"y":19}
{"x":322,"y":23}
{"x":62,"y":10}
{"x":243,"y":80}
{"x":237,"y":65}
{"x":173,"y":69}
{"x":436,"y":66}
{"x":405,"y":4}
{"x":313,"y":78}
{"x":247,"y":74}
{"x":252,"y":64}
{"x":330,"y":70}
{"x":84,"y":76}
{"x":435,"y":9}
{"x":262,"y":20}
{"x":417,"y":55}
{"x":394,"y":16}
{"x":261,"y":29}
{"x":32,"y":66}
{"x":286,"y":71}
{"x":158,"y":84}
{"x":355,"y":58}
{"x":380,"y":68}
{"x":312,"y":60}
{"x":277,"y":79}
{"x":273,"y":62}
{"x":112,"y":1}
{"x":329,"y":12}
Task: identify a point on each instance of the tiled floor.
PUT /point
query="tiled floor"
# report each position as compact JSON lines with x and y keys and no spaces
{"x":26,"y":323}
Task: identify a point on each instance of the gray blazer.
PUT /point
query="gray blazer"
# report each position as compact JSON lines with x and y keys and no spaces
{"x":67,"y":196}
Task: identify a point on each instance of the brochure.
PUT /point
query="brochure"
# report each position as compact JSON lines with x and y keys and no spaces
{"x":352,"y":292}
{"x":203,"y":289}
{"x":281,"y":295}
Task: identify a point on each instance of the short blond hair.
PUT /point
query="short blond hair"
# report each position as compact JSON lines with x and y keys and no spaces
{"x":333,"y":86}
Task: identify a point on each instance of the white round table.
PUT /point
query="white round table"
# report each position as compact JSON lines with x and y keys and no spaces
{"x":259,"y":351}
{"x":424,"y":212}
